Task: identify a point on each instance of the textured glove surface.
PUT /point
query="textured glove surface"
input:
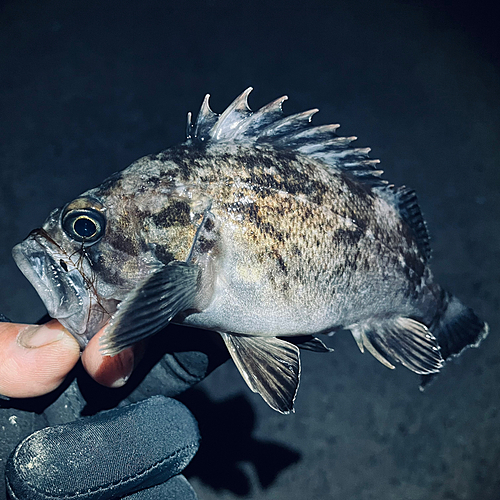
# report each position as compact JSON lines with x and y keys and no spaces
{"x":108,"y":456}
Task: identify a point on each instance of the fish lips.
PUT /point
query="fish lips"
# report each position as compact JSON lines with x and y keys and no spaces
{"x":63,"y":292}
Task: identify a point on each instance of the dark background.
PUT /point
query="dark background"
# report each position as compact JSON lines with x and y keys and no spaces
{"x":88,"y":87}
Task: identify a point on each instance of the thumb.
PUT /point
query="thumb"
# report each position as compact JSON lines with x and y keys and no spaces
{"x":34,"y":359}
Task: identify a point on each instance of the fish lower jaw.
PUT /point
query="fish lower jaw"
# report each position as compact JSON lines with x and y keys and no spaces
{"x":63,"y":293}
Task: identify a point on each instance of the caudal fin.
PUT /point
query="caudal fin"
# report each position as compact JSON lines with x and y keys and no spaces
{"x":456,"y":328}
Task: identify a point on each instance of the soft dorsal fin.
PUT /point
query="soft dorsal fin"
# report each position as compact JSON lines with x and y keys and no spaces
{"x":412,"y":215}
{"x":405,"y":200}
{"x":268,"y":125}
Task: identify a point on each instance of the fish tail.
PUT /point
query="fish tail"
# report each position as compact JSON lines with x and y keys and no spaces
{"x":456,"y":328}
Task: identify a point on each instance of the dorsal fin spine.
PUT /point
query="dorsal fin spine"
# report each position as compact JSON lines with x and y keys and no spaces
{"x":233,"y":118}
{"x":268,"y":126}
{"x":205,"y":121}
{"x":189,"y":125}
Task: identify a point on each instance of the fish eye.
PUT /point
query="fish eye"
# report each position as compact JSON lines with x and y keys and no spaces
{"x":84,"y":225}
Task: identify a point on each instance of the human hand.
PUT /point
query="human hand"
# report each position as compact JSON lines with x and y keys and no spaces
{"x":135,"y":452}
{"x":35,"y":359}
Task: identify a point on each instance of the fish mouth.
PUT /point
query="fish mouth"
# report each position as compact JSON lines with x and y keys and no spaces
{"x":61,"y":286}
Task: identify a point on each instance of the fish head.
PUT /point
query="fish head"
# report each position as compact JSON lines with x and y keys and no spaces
{"x":56,"y":259}
{"x":91,"y":253}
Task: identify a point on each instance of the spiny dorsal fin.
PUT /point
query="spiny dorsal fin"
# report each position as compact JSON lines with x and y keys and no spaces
{"x":268,"y":125}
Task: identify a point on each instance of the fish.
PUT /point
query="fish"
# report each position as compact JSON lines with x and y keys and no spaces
{"x":263,"y":227}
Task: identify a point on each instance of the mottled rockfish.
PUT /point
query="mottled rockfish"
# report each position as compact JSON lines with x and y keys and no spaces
{"x":260,"y":227}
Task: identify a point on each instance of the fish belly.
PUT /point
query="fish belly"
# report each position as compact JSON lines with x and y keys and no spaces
{"x":253,"y":297}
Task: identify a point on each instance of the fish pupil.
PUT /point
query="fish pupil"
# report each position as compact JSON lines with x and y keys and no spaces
{"x":63,"y":265}
{"x":84,"y":227}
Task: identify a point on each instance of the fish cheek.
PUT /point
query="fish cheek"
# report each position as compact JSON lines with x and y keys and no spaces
{"x":172,"y":243}
{"x":108,"y":267}
{"x":167,"y":233}
{"x":178,"y":212}
{"x":116,"y":262}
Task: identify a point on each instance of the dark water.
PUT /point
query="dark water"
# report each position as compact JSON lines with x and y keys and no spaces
{"x":87,"y":87}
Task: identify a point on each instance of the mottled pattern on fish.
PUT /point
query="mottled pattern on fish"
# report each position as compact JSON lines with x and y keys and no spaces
{"x":342,"y":242}
{"x":259,"y":225}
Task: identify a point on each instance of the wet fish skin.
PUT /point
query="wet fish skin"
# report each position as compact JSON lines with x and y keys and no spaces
{"x":309,"y":272}
{"x":258,"y":226}
{"x":289,"y":270}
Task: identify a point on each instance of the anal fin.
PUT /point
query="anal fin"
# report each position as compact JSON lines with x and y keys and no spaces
{"x":405,"y":340}
{"x":270,"y":367}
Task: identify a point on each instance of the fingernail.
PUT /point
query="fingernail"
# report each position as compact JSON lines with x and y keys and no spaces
{"x":124,"y":366}
{"x":125,"y":362}
{"x":120,"y":382}
{"x":34,"y":336}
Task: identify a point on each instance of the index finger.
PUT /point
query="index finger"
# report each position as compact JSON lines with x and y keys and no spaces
{"x":110,"y":371}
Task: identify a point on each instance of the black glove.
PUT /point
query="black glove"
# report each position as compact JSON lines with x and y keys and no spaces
{"x":140,"y":447}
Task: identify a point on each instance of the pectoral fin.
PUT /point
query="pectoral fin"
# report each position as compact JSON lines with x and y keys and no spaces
{"x":270,"y":367}
{"x":151,"y":306}
{"x":403,"y":339}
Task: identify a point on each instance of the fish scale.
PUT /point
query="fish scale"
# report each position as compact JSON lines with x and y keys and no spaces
{"x":261,"y":227}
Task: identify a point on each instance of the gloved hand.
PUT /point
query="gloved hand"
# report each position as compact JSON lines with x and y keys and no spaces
{"x":136,"y":450}
{"x":140,"y":448}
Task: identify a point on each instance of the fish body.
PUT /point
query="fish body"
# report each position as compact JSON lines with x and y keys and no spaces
{"x":283,"y":275}
{"x":260,"y":227}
